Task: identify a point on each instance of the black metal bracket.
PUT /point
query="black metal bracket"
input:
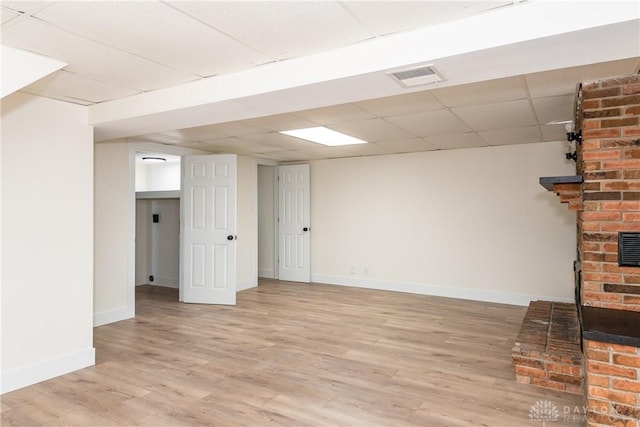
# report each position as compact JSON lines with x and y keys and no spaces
{"x":572,"y":156}
{"x":575,"y":136}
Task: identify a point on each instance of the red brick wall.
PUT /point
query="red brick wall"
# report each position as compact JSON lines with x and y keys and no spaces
{"x":609,"y":161}
{"x":612,"y":384}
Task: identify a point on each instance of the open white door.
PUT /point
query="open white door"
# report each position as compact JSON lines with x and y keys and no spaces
{"x":294,"y":220}
{"x":208,"y":249}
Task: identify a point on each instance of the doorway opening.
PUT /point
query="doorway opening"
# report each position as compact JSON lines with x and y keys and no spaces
{"x":157,"y":234}
{"x":267,"y":214}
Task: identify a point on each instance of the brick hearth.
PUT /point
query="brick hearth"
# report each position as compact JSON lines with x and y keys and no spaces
{"x":547,"y":351}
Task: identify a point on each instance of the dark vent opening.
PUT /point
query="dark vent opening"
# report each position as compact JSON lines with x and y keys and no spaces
{"x":416,"y":72}
{"x":629,"y":249}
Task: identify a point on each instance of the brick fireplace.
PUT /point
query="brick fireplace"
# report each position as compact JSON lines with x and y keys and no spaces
{"x":605,"y":193}
{"x":609,"y":162}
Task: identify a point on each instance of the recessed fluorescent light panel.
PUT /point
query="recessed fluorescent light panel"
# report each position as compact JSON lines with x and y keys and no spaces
{"x":324,"y":136}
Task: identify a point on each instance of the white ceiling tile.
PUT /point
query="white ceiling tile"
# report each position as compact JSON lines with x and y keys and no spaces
{"x":401,"y":104}
{"x":486,"y":92}
{"x":182,"y":43}
{"x":202,"y":147}
{"x":371,"y":149}
{"x":553,"y":108}
{"x":564,"y":81}
{"x":430,"y":123}
{"x":385,"y":17}
{"x":294,"y":28}
{"x":258,"y":148}
{"x":460,"y":140}
{"x":322,"y":152}
{"x":512,"y":136}
{"x":25,"y":6}
{"x":91,"y":59}
{"x":280,"y":122}
{"x":169,"y":137}
{"x":335,"y":114}
{"x":372,"y":130}
{"x":63,"y":83}
{"x":408,"y":145}
{"x":235,"y":129}
{"x":284,"y":142}
{"x":222,"y":144}
{"x":250,"y":146}
{"x":7,"y":15}
{"x":553,"y":133}
{"x":199,"y":133}
{"x":292,"y":156}
{"x":509,"y":114}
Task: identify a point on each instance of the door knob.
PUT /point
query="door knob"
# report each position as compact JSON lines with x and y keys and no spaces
{"x":230,"y":237}
{"x":305,"y":229}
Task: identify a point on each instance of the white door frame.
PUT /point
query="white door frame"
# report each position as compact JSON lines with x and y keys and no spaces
{"x":274,"y":165}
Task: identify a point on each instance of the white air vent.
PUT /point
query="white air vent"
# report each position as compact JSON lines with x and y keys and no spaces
{"x":416,"y":76}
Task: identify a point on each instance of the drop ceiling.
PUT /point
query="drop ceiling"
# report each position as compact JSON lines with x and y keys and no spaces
{"x":223,"y":76}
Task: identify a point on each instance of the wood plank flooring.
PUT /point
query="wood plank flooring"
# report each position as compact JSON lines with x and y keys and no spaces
{"x":292,"y":354}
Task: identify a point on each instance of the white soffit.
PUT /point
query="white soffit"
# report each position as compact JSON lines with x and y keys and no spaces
{"x":540,"y":45}
{"x":20,"y":69}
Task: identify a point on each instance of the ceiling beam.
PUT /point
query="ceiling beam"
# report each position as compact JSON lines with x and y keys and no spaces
{"x":524,"y":38}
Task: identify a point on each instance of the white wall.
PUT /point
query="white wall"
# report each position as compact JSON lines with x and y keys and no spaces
{"x":47,"y":239}
{"x":158,"y":176}
{"x":470,"y":223}
{"x":247,"y":249}
{"x":266,"y":221}
{"x":114,"y":253}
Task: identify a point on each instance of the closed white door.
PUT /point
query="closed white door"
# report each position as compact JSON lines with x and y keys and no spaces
{"x":294,"y":224}
{"x":208,"y":249}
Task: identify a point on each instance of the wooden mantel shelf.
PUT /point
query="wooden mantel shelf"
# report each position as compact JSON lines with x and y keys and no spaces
{"x":549,"y":181}
{"x":568,"y":189}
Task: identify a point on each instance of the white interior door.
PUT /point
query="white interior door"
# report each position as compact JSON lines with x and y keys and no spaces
{"x":208,"y":250}
{"x":294,"y":224}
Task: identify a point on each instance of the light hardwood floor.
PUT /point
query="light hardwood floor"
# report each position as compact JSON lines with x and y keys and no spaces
{"x":292,"y":354}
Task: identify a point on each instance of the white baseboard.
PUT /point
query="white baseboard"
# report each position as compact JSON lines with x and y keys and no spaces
{"x":167,"y":282}
{"x":246,"y":284}
{"x":266,"y":273}
{"x":37,"y":372}
{"x":142,"y":280}
{"x":111,"y":316}
{"x":441,"y":291}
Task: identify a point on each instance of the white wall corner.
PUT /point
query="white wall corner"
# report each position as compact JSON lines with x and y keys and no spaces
{"x":111,"y":316}
{"x":266,"y":273}
{"x":35,"y":373}
{"x":246,"y":284}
